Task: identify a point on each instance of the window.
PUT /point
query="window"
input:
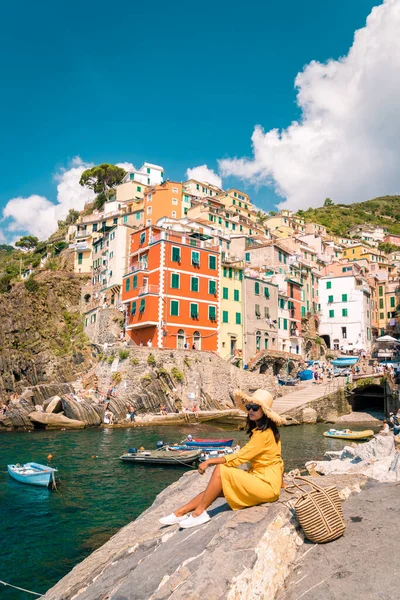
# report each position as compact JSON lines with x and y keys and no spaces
{"x":138,"y":216}
{"x":258,"y":341}
{"x":257,"y":311}
{"x":133,"y":309}
{"x":125,"y":218}
{"x":392,"y":302}
{"x":280,"y":256}
{"x":94,"y":228}
{"x":149,"y":210}
{"x":195,"y":258}
{"x":344,"y":297}
{"x":344,"y":333}
{"x":142,"y":305}
{"x":303,"y":311}
{"x":127,"y":284}
{"x":266,"y":292}
{"x":265,"y":341}
{"x":142,"y":238}
{"x":225,"y":293}
{"x":266,"y":312}
{"x":331,"y":314}
{"x":175,"y":201}
{"x":381,"y":315}
{"x":344,"y":312}
{"x":212,"y":313}
{"x":212,"y":262}
{"x":225,"y":316}
{"x":330,"y":299}
{"x":194,"y":310}
{"x":134,"y":282}
{"x":175,"y":281}
{"x":247,"y":255}
{"x":285,"y":322}
{"x":329,"y":285}
{"x":174,"y":308}
{"x":238,"y":319}
{"x":115,"y":221}
{"x":256,"y":288}
{"x":194,"y":284}
{"x":148,"y":170}
{"x":212,"y":287}
{"x":173,"y":214}
{"x":176,"y":254}
{"x":80,"y":258}
{"x":380,"y":290}
{"x":139,"y":189}
{"x":380,"y":302}
{"x":236,"y":295}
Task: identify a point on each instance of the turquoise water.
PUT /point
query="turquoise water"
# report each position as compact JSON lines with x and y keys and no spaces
{"x":45,"y":533}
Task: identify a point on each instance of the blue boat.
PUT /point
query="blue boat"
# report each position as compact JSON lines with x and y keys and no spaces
{"x":32,"y":473}
{"x":345,"y":361}
{"x":210,"y":443}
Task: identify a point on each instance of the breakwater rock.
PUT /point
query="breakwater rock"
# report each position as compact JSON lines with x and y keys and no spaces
{"x":243,"y":554}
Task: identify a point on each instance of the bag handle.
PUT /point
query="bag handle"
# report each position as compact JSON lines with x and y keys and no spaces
{"x":319,"y":489}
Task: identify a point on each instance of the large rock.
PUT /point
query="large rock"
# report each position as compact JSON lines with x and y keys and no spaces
{"x":90,"y":414}
{"x":242,"y":555}
{"x":54,"y":405}
{"x":309,"y":415}
{"x":16,"y":418}
{"x":54,"y":421}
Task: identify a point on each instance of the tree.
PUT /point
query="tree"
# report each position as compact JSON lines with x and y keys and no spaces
{"x":261,"y":217}
{"x":102,"y":179}
{"x":328,"y":202}
{"x":28,"y":242}
{"x":272,"y":213}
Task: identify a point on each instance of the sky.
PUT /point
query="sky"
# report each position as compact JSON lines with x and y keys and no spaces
{"x":291,"y":102}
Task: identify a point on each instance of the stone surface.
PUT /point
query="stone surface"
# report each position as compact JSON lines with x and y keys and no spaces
{"x":90,"y":414}
{"x":364,"y":563}
{"x":309,"y":415}
{"x":54,"y":421}
{"x":54,"y":405}
{"x":236,"y":555}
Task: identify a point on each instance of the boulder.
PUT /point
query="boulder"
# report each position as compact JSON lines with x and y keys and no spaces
{"x":309,"y":415}
{"x":54,"y":421}
{"x":16,"y":419}
{"x":331,"y":415}
{"x":332,"y":455}
{"x":90,"y":414}
{"x":379,"y":447}
{"x":54,"y":405}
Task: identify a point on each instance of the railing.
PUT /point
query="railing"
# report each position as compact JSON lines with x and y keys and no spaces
{"x":83,"y":234}
{"x":136,"y":267}
{"x":149,"y":289}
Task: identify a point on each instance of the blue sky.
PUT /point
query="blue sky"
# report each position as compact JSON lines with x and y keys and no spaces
{"x":178,"y":84}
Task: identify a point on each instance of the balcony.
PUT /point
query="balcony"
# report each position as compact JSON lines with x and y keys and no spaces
{"x":149,"y":289}
{"x":82,"y":234}
{"x":141,"y":266}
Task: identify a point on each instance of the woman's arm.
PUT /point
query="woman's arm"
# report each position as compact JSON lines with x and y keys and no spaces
{"x":210,"y":462}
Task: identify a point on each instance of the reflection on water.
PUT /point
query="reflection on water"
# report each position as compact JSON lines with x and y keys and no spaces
{"x":49,"y":532}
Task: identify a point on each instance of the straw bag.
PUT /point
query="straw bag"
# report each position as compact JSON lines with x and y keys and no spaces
{"x":319,"y":512}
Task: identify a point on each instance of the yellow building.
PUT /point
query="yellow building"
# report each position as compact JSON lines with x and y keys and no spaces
{"x":231,"y":312}
{"x":386,"y":301}
{"x":362,"y":251}
{"x":131,"y":191}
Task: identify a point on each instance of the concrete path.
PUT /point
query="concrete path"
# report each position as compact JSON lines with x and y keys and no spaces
{"x":364,"y":563}
{"x":303,"y":395}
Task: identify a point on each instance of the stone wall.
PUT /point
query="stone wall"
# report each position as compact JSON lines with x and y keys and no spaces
{"x":107,"y":326}
{"x":326,"y":409}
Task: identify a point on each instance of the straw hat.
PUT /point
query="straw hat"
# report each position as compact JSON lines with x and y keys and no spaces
{"x":261,"y":397}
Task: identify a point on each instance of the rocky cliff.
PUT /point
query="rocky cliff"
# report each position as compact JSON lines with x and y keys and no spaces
{"x":41,"y":333}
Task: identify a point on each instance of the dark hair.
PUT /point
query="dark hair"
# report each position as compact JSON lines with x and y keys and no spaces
{"x":262,"y":425}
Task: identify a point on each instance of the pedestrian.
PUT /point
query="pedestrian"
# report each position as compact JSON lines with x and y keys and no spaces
{"x":149,"y":343}
{"x":316,"y":376}
{"x":131,"y":412}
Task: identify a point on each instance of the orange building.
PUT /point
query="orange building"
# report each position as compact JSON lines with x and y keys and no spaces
{"x":163,"y":200}
{"x":172,"y":290}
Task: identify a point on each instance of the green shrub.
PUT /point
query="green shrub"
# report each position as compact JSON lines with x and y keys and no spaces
{"x":123,"y":354}
{"x":134,"y":361}
{"x":116,"y":378}
{"x":110,"y":359}
{"x":186,"y":361}
{"x":364,"y":382}
{"x":318,"y":340}
{"x":177,"y":374}
{"x":31,"y":285}
{"x":162,"y":371}
{"x":146,"y":379}
{"x":151,"y":361}
{"x":330,"y":356}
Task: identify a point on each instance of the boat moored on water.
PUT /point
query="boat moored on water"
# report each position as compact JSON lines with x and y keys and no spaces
{"x":161,"y":457}
{"x":349,"y":434}
{"x":208,"y":453}
{"x":33,"y":474}
{"x":207,"y":443}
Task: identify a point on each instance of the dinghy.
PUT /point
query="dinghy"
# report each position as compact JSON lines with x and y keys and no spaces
{"x":33,"y":474}
{"x":207,"y":443}
{"x":349,"y":434}
{"x":161,"y":457}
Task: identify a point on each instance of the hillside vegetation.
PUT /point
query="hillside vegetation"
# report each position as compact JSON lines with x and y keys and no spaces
{"x":339,"y":218}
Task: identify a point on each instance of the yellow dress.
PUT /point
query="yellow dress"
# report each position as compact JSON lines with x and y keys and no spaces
{"x":262,"y":482}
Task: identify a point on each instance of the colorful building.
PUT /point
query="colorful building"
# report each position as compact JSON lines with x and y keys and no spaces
{"x":171,"y":290}
{"x":231,"y":311}
{"x":163,"y":200}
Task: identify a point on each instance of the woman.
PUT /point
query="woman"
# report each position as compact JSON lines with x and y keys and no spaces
{"x":262,"y":483}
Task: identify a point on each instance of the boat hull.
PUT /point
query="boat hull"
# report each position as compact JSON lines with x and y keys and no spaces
{"x":162,"y":458}
{"x":352,"y":435}
{"x":32,"y":474}
{"x":203,"y":443}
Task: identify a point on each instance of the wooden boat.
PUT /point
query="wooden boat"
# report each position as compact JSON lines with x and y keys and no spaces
{"x":161,"y":457}
{"x":210,"y":443}
{"x":33,"y":474}
{"x":348,"y":434}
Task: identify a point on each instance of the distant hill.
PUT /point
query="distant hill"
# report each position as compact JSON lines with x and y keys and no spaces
{"x":339,"y":218}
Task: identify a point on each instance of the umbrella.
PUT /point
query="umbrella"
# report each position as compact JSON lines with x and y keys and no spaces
{"x":387,"y":338}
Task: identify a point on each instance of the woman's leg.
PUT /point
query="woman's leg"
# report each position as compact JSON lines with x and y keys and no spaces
{"x":199,"y":503}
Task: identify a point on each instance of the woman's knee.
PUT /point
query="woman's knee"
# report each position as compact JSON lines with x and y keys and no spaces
{"x":217,"y":471}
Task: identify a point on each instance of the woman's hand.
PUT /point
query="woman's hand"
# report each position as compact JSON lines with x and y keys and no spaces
{"x":202,"y":467}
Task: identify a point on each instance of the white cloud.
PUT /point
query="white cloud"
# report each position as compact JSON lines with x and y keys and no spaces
{"x":126,"y":165}
{"x":346,"y":144}
{"x":204,"y":174}
{"x":36,"y":215}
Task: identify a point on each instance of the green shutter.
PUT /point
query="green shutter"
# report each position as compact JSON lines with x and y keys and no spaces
{"x":225,"y":293}
{"x":212,"y":287}
{"x":331,"y":313}
{"x":127,"y":284}
{"x":174,"y":310}
{"x":392,"y":304}
{"x":195,"y":258}
{"x":344,"y":312}
{"x":80,"y":258}
{"x":133,"y":308}
{"x":344,"y":297}
{"x":176,"y":254}
{"x":134,"y":282}
{"x":194,"y":284}
{"x":266,"y":292}
{"x":175,"y":281}
{"x":194,"y":311}
{"x":238,"y":319}
{"x":142,"y":305}
{"x":329,"y":285}
{"x":257,"y":288}
{"x":212,"y":262}
{"x":330,"y":299}
{"x":284,"y":323}
{"x":225,"y":316}
{"x":236,"y":295}
{"x":212,"y":313}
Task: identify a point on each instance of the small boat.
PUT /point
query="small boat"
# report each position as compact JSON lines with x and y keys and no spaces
{"x":210,"y":443}
{"x":161,"y":457}
{"x":344,"y":361}
{"x":348,"y":434}
{"x":215,"y":453}
{"x":287,"y":381}
{"x":33,"y":474}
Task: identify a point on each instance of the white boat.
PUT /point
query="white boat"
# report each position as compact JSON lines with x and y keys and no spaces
{"x":32,"y":473}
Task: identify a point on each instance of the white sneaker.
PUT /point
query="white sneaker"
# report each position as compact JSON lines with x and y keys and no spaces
{"x":191,"y":521}
{"x":171,"y":519}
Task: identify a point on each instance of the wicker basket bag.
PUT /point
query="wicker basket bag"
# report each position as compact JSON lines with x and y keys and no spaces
{"x":319,"y":512}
